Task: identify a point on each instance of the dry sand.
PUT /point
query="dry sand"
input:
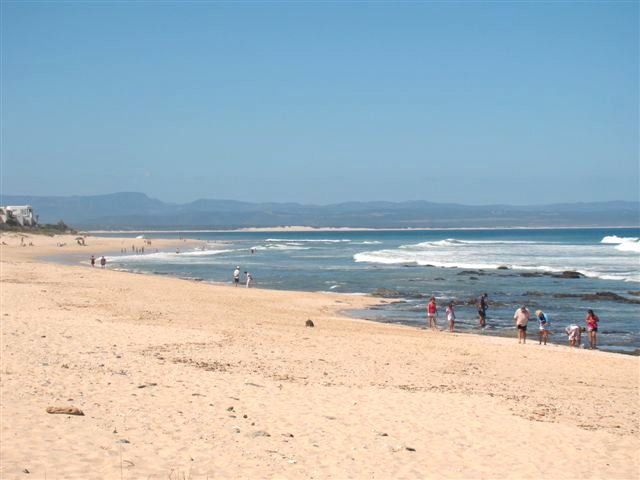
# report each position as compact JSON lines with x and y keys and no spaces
{"x":179,"y":379}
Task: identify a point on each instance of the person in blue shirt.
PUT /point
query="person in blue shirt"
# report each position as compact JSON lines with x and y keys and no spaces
{"x":544,"y":325}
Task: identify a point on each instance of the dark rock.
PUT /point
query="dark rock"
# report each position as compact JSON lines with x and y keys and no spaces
{"x":610,"y":297}
{"x":26,"y":470}
{"x":469,"y":272}
{"x":65,"y":411}
{"x":568,"y":274}
{"x":598,"y":297}
{"x":289,"y":435}
{"x":634,"y":292}
{"x":533,"y":293}
{"x":439,"y":279}
{"x":531,"y":274}
{"x":411,"y":449}
{"x":473,"y":278}
{"x":309,"y":323}
{"x":386,"y":293}
{"x":123,"y":440}
{"x":230,"y":409}
{"x":503,"y":267}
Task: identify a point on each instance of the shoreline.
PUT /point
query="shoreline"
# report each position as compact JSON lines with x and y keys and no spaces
{"x":73,"y":258}
{"x":303,"y":229}
{"x":211,"y":380}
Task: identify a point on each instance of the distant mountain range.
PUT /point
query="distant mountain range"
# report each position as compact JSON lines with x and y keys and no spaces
{"x":137,"y":211}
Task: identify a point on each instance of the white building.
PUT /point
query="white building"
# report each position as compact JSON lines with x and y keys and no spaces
{"x":23,"y":214}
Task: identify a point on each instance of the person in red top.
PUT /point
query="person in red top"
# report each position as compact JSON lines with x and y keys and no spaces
{"x":432,"y":312}
{"x":592,"y":327}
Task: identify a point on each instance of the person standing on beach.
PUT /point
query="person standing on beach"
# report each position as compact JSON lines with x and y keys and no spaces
{"x":592,"y":327}
{"x":451,"y":316}
{"x":93,"y":261}
{"x":522,"y":319}
{"x":482,"y":310}
{"x":103,"y":261}
{"x":544,"y":326}
{"x":432,"y":312}
{"x":249,"y":278}
{"x":236,"y":276}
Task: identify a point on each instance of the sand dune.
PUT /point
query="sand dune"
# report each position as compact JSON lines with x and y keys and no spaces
{"x":180,"y":379}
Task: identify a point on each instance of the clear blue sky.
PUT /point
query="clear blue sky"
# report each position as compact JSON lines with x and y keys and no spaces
{"x":474,"y":102}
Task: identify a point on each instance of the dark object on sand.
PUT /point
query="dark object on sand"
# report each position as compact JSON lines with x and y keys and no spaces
{"x":309,"y":323}
{"x":65,"y":410}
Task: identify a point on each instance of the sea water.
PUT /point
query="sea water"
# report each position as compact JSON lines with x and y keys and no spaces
{"x":514,"y":267}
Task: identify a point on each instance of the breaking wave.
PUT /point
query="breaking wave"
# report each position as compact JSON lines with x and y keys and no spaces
{"x":163,"y":256}
{"x":590,"y":260}
{"x":614,"y":239}
{"x":307,"y":240}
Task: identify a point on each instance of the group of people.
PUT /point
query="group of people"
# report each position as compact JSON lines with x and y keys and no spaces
{"x":521,"y":317}
{"x":247,"y":277}
{"x":103,"y":261}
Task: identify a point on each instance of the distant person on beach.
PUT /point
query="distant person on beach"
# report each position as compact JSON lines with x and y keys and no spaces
{"x":93,"y":261}
{"x":103,"y":261}
{"x":544,"y":326}
{"x":432,"y":312}
{"x":574,"y":332}
{"x":522,"y":319}
{"x":249,"y":278}
{"x":236,"y":276}
{"x":592,"y":327}
{"x":482,"y":310}
{"x":451,"y":316}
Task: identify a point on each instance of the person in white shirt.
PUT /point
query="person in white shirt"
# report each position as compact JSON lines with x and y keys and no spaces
{"x":451,"y":316}
{"x":249,"y":278}
{"x":574,"y":332}
{"x":522,"y":318}
{"x":236,"y":276}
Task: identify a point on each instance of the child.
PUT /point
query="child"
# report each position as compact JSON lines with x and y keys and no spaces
{"x":432,"y":312}
{"x":451,"y":316}
{"x":592,"y":327}
{"x":544,"y":326}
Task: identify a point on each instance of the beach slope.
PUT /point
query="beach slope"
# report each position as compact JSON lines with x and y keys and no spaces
{"x":179,"y":379}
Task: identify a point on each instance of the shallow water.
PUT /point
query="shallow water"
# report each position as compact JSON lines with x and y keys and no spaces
{"x":451,"y":265}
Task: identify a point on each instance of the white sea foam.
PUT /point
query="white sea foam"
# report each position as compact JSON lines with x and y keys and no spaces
{"x":452,"y":242}
{"x":628,"y":247}
{"x":159,"y":257}
{"x":307,"y":240}
{"x":280,"y":246}
{"x":590,"y":260}
{"x":614,"y":239}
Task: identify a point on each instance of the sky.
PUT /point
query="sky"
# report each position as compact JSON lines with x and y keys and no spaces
{"x":322,"y":102}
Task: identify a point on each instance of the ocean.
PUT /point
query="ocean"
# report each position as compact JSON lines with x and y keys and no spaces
{"x":513,"y":267}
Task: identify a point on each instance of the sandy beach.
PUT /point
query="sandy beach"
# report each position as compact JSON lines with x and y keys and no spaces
{"x":181,"y":379}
